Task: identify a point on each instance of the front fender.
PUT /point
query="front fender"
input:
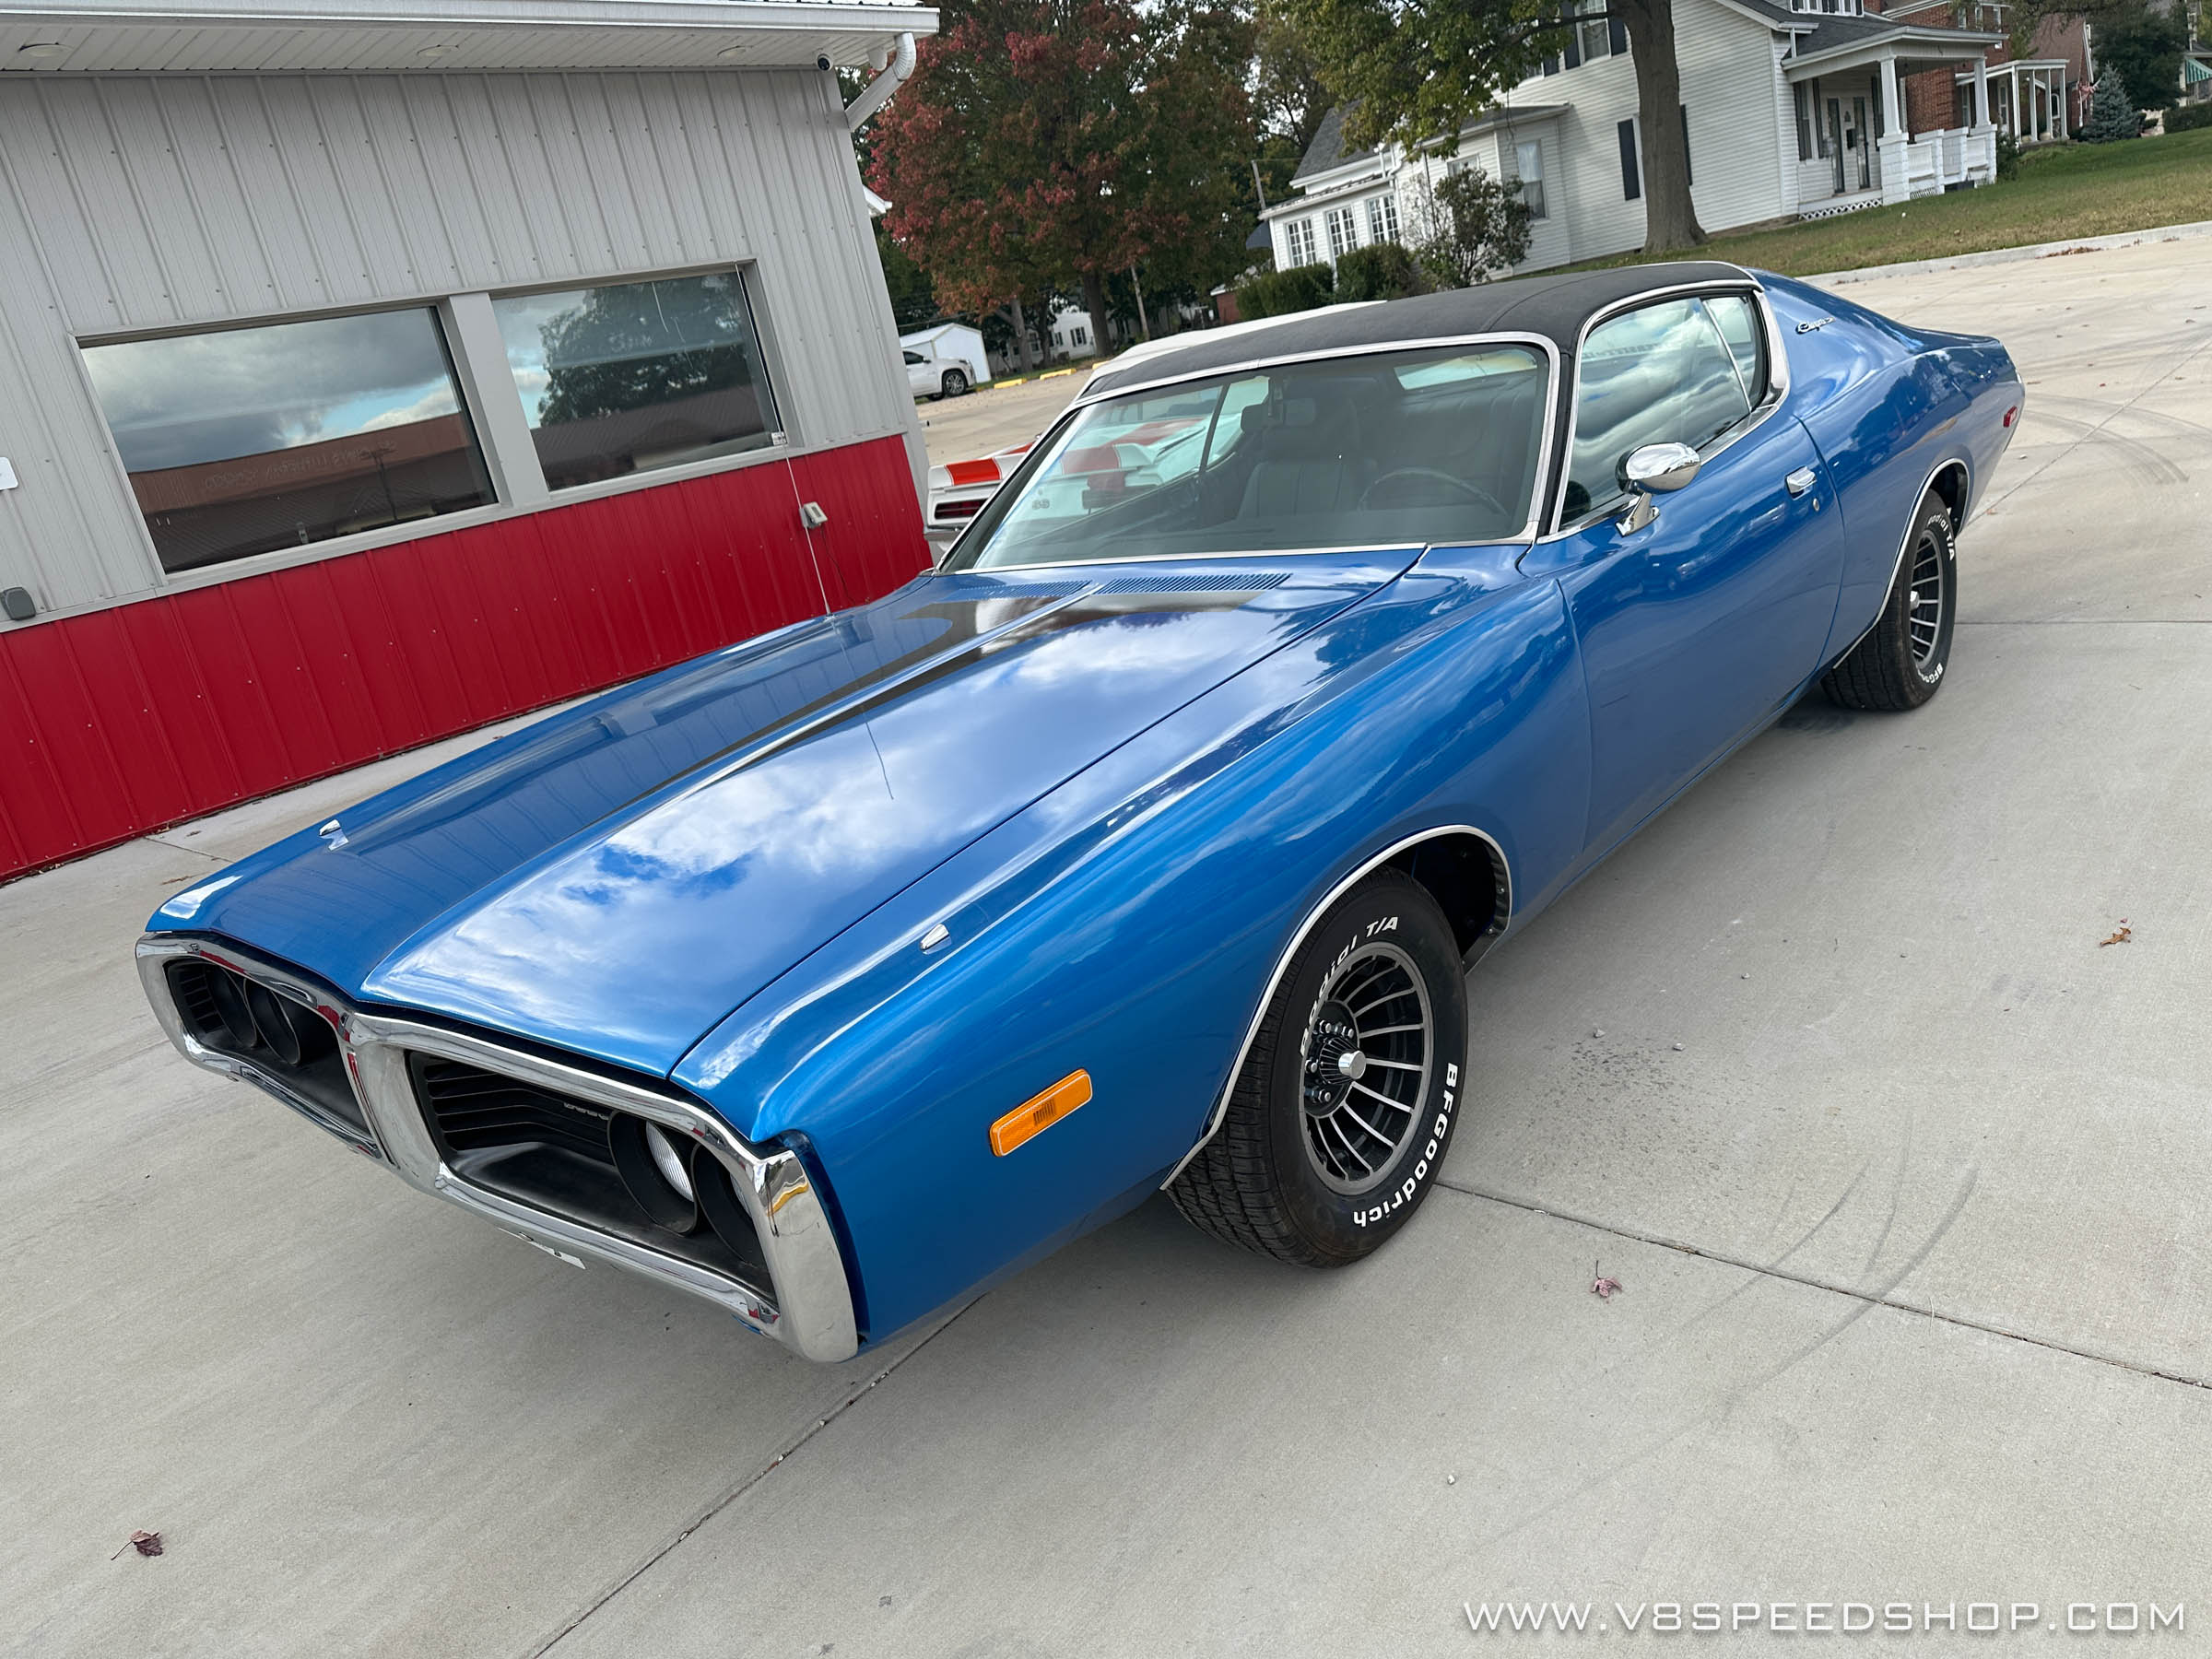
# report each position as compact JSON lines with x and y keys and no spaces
{"x":1127,"y":924}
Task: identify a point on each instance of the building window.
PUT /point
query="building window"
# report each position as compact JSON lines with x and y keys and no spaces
{"x":638,"y":375}
{"x":1528,"y":165}
{"x":1805,"y":121}
{"x":1344,"y":232}
{"x":246,"y":440}
{"x":1631,"y":184}
{"x":1383,"y":220}
{"x":1298,"y":238}
{"x":1592,"y":34}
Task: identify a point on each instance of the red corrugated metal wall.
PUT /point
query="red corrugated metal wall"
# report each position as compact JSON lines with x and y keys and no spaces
{"x":118,"y":722}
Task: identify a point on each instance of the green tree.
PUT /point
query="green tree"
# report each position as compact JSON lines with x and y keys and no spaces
{"x":1415,"y":70}
{"x":2145,"y":44}
{"x":1468,"y":226}
{"x":1048,"y":144}
{"x":2111,"y":115}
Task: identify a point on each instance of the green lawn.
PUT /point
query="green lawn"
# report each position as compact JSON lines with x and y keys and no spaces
{"x":2068,"y":191}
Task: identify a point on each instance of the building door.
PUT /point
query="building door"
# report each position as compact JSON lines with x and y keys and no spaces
{"x":1858,"y":109}
{"x":1835,"y":140}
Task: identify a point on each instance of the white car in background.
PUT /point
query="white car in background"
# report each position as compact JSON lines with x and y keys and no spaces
{"x":930,"y":377}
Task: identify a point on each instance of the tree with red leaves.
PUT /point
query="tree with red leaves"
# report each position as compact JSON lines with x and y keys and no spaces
{"x":1046,"y":143}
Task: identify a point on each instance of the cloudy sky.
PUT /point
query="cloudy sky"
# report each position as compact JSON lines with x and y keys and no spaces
{"x":241,"y":392}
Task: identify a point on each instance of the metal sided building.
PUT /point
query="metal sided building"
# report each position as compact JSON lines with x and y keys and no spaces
{"x":370,"y":369}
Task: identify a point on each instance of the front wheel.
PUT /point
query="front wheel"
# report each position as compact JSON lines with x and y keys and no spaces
{"x":1900,"y":664}
{"x":954,"y":384}
{"x":1338,"y":1123}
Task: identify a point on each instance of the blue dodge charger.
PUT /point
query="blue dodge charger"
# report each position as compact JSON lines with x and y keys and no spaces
{"x":1146,"y":842}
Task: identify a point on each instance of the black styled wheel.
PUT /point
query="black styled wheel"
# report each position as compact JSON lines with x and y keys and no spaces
{"x":954,"y":384}
{"x":1901,"y":663}
{"x":1339,"y":1120}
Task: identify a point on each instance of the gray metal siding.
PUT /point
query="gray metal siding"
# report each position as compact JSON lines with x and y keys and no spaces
{"x":150,"y":203}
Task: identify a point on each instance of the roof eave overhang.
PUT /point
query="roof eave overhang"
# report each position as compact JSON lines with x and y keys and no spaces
{"x":1942,"y":46}
{"x":355,"y":36}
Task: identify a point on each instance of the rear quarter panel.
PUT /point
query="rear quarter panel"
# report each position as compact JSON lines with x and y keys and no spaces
{"x":1887,"y":406}
{"x":1127,"y":925}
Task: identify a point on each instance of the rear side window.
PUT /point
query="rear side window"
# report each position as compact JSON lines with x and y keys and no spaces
{"x":1660,"y":374}
{"x":1736,"y":316}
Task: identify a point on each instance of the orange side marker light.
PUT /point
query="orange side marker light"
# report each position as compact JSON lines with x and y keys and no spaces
{"x":1040,"y":1112}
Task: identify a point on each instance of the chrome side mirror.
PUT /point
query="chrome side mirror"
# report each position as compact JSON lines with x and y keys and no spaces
{"x":1653,"y":470}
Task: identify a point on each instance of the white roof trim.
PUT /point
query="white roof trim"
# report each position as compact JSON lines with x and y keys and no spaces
{"x":343,"y":36}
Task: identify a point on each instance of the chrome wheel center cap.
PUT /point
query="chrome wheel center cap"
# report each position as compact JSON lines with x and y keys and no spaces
{"x":1352,"y":1062}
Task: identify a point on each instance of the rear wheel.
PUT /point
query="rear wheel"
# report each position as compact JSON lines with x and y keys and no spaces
{"x":1900,"y":664}
{"x":1340,"y":1121}
{"x":954,"y":384}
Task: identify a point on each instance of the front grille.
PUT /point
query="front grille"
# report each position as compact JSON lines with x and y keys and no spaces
{"x":472,"y":1110}
{"x":555,"y":1152}
{"x":199,"y":989}
{"x":195,"y":999}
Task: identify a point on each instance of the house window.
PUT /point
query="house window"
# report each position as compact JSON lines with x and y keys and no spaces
{"x":246,"y":440}
{"x":1344,"y":232}
{"x":1528,"y":165}
{"x":1383,"y":220}
{"x":1805,"y":121}
{"x":637,"y":375}
{"x":1631,"y":183}
{"x":1298,"y":239}
{"x":1591,"y":34}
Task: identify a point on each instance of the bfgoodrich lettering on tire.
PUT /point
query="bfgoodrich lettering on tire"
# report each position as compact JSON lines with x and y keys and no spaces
{"x":1340,"y":1118}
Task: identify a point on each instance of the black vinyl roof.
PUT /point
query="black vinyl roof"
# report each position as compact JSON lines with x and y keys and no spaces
{"x":1553,"y":307}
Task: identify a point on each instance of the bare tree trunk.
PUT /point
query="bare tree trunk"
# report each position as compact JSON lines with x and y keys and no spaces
{"x":1021,"y":338}
{"x":1094,"y":301}
{"x":1143,"y":322}
{"x":1670,"y":222}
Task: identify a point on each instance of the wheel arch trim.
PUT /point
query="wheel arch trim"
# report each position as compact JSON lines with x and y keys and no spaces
{"x":1966,"y":504}
{"x":1311,"y":919}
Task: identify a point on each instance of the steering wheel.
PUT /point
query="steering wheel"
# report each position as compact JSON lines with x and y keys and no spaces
{"x":1473,"y":493}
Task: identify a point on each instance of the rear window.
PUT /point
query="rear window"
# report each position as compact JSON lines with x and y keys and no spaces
{"x":1384,"y":449}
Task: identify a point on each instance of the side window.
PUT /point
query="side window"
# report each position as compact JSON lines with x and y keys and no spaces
{"x":914,"y":357}
{"x":1661,"y":374}
{"x":1736,"y":316}
{"x":1229,"y":426}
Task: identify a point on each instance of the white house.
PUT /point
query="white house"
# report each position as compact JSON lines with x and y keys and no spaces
{"x":1792,"y":109}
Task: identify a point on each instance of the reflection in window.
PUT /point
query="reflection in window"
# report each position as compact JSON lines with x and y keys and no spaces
{"x":1660,"y":374}
{"x":1376,"y":450}
{"x":249,"y":440}
{"x":638,"y":375}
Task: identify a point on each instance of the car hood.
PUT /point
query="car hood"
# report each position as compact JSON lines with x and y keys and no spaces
{"x":616,"y":879}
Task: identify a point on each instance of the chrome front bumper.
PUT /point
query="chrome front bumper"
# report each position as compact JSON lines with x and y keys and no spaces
{"x":811,"y":1308}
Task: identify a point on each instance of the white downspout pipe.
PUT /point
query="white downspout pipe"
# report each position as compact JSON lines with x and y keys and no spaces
{"x":877,"y":92}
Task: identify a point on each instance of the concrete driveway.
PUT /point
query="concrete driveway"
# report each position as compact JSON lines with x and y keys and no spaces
{"x":1903,"y":1173}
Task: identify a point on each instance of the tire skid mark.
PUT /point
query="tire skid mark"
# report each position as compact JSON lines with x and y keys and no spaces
{"x":2137,"y":457}
{"x":1863,"y":1305}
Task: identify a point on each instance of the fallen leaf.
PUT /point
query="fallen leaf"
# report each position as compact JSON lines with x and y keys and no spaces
{"x":1600,"y":1286}
{"x":2124,"y":934}
{"x":145,"y":1543}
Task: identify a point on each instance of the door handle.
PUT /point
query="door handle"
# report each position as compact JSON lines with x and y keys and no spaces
{"x":1803,"y":479}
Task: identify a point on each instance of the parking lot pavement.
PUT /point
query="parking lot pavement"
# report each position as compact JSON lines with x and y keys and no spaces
{"x":1908,"y":1227}
{"x":997,"y":417}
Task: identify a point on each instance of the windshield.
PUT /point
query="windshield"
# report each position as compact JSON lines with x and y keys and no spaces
{"x":1382,"y":449}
